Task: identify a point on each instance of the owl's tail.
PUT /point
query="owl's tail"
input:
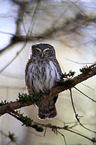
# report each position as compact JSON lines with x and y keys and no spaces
{"x":47,"y":109}
{"x":48,"y":113}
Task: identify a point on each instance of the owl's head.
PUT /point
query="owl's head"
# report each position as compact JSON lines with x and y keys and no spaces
{"x":43,"y":50}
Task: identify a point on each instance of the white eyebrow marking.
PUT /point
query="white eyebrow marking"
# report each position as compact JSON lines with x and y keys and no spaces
{"x":38,"y":49}
{"x":46,"y":49}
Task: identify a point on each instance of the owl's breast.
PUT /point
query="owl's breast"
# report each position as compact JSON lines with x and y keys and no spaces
{"x":48,"y":75}
{"x":52,"y":75}
{"x":42,"y":76}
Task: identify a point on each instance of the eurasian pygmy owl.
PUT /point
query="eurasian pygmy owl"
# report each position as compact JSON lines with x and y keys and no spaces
{"x":41,"y":74}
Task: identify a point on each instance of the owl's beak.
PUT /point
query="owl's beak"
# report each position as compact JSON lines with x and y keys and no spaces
{"x":42,"y":55}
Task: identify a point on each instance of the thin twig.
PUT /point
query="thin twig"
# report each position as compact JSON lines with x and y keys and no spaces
{"x":92,"y":140}
{"x":63,"y":137}
{"x":85,"y":95}
{"x":45,"y":131}
{"x":13,"y":58}
{"x":33,"y":19}
{"x":76,"y":115}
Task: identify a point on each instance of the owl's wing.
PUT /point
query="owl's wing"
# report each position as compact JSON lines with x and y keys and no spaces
{"x":28,"y":76}
{"x":56,"y":63}
{"x":29,"y":61}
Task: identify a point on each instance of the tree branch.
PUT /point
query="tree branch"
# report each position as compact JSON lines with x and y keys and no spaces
{"x":26,"y":100}
{"x":28,"y":122}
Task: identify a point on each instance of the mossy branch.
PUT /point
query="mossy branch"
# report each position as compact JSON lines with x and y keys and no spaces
{"x":26,"y":100}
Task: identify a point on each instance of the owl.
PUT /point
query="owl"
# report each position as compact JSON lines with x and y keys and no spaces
{"x":42,"y":72}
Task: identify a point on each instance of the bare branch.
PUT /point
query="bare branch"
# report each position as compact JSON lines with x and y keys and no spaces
{"x":33,"y":19}
{"x":70,"y":26}
{"x":7,"y":47}
{"x":13,"y":58}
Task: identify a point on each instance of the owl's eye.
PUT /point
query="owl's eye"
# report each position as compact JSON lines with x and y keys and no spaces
{"x":46,"y":51}
{"x":37,"y":50}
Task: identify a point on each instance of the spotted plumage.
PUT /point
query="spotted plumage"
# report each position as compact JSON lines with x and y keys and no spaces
{"x":41,"y":74}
